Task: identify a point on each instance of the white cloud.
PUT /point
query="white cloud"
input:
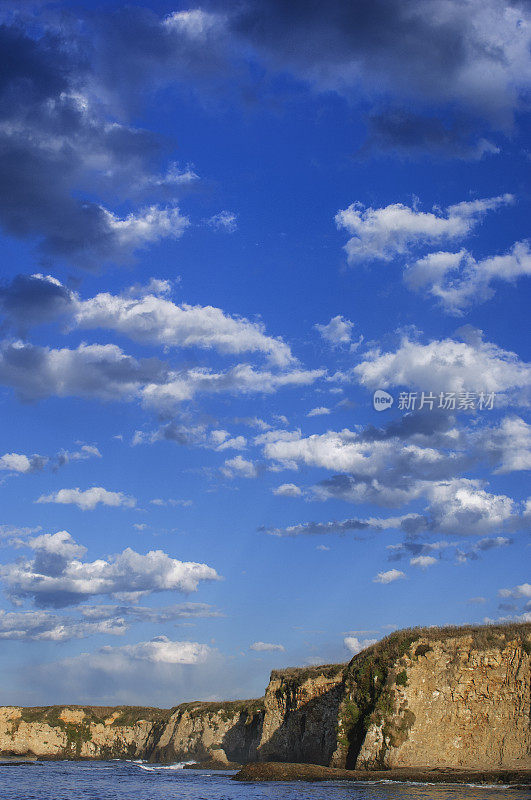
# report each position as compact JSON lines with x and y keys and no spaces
{"x":447,"y":365}
{"x":389,"y":576}
{"x":241,"y":379}
{"x":356,"y":645}
{"x":59,"y":544}
{"x":318,"y":412}
{"x":85,"y":452}
{"x":234,"y":443}
{"x":150,"y":225}
{"x":57,"y":576}
{"x":43,"y":626}
{"x":523,"y":590}
{"x":88,"y":499}
{"x":144,"y":672}
{"x":336,"y":332}
{"x":423,"y":561}
{"x":264,"y":647}
{"x":287,"y":490}
{"x":379,"y":465}
{"x":508,"y":445}
{"x":224,"y":221}
{"x":16,"y":462}
{"x":107,"y":373}
{"x":458,"y":281}
{"x":195,"y":23}
{"x":461,"y":506}
{"x":152,"y":318}
{"x":162,"y":650}
{"x":382,"y":233}
{"x":239,"y":466}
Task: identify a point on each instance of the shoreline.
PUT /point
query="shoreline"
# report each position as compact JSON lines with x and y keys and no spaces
{"x":283,"y":772}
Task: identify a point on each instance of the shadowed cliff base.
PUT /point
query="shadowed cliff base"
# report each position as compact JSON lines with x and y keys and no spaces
{"x":272,"y":771}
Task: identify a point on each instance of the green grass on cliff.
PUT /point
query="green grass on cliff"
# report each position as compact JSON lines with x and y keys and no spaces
{"x":298,"y":675}
{"x":372,"y":675}
{"x":127,"y":715}
{"x":227,"y":708}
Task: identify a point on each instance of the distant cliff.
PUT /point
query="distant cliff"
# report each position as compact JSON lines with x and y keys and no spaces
{"x":429,"y":697}
{"x":203,"y":731}
{"x":74,"y":732}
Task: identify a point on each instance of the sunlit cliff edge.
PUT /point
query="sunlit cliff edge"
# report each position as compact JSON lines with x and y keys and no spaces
{"x":430,"y":697}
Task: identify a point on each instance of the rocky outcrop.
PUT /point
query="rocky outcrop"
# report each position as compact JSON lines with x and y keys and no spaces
{"x":208,"y":732}
{"x":274,"y":771}
{"x":301,"y":707}
{"x":431,"y":698}
{"x":447,"y":697}
{"x":75,"y":732}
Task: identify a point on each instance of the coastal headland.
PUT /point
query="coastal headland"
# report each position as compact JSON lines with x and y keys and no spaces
{"x":430,"y":702}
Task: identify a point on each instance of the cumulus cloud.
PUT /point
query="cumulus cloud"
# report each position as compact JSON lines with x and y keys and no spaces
{"x":85,"y":452}
{"x":355,"y":645}
{"x":239,"y":467}
{"x":160,"y":650}
{"x":105,"y":372}
{"x":265,"y":647}
{"x":143,"y":672}
{"x":381,"y":234}
{"x":506,"y":445}
{"x":471,"y":56}
{"x":389,"y":576}
{"x":61,"y":143}
{"x":88,"y":499}
{"x":19,"y":463}
{"x":144,"y":314}
{"x":423,"y":561}
{"x":241,"y":379}
{"x":320,"y":411}
{"x":154,"y":319}
{"x":458,"y":281}
{"x":287,"y":490}
{"x":336,"y":332}
{"x":523,"y":590}
{"x":57,"y":577}
{"x":447,"y":365}
{"x":387,"y":469}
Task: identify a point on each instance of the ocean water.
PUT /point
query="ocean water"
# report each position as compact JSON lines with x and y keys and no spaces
{"x":128,"y":780}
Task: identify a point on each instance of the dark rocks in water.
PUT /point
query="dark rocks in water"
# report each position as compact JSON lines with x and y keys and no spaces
{"x":212,"y":763}
{"x":275,"y":771}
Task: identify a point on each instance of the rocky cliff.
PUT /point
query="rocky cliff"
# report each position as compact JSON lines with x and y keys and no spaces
{"x":77,"y":731}
{"x":301,"y":708}
{"x":432,"y":697}
{"x":446,"y":697}
{"x":208,"y":731}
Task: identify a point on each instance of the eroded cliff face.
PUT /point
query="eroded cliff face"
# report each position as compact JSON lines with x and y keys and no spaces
{"x":447,"y":697}
{"x":438,"y":698}
{"x":301,"y":708}
{"x":202,"y":731}
{"x":72,"y":732}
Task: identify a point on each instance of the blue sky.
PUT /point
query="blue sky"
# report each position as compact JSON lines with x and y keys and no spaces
{"x":223,"y":228}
